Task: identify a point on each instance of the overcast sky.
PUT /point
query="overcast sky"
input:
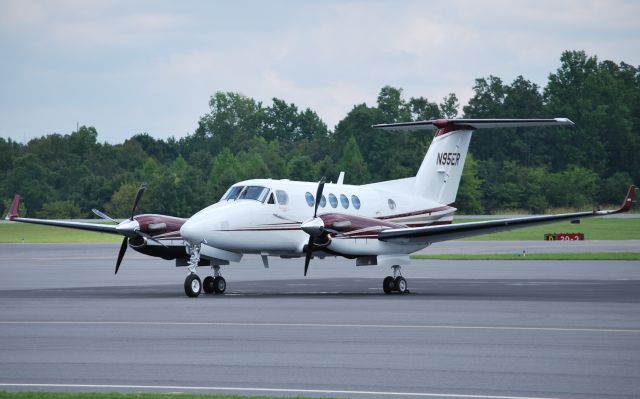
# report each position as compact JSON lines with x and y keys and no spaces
{"x":129,"y":67}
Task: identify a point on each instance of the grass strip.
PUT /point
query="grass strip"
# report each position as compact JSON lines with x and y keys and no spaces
{"x":35,"y":233}
{"x":537,"y":256}
{"x":593,"y":229}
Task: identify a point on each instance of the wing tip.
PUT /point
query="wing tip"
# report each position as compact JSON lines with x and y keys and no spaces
{"x":14,"y":208}
{"x":564,"y":121}
{"x":628,"y":199}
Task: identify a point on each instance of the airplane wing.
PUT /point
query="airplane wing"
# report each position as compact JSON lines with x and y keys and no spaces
{"x":433,"y":234}
{"x":98,"y":227}
{"x":472,"y":124}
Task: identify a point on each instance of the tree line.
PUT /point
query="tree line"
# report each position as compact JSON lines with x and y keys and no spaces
{"x":533,"y":169}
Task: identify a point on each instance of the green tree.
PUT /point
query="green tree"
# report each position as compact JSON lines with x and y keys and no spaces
{"x":449,"y":106}
{"x":60,"y":210}
{"x":301,"y":167}
{"x":469,"y":198}
{"x":353,"y":164}
{"x":122,"y":200}
{"x":225,"y":171}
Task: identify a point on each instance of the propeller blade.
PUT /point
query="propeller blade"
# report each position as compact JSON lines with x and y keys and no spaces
{"x":319,"y":195}
{"x":149,"y":237}
{"x":123,"y":249}
{"x":309,"y":253}
{"x":103,"y":215}
{"x":143,"y":186}
{"x":307,"y":257}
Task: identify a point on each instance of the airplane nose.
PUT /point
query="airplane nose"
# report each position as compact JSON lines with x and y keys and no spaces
{"x":189,"y":232}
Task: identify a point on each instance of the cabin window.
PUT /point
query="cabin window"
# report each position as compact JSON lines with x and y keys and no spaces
{"x":282,"y":197}
{"x":323,"y":201}
{"x":344,"y":201}
{"x":309,"y":197}
{"x":355,"y":201}
{"x":333,"y":200}
{"x":392,"y":204}
{"x":232,"y":193}
{"x":257,"y":193}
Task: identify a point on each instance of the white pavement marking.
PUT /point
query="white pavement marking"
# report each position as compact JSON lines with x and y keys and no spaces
{"x":321,"y":325}
{"x":279,"y":390}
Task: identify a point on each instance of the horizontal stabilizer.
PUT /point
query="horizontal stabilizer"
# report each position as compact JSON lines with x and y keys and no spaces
{"x":472,"y":124}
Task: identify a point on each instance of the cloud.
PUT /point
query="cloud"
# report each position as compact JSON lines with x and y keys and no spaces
{"x":151,"y":66}
{"x":20,"y":13}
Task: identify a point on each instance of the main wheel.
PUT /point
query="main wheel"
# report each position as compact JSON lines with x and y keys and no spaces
{"x":388,"y":284}
{"x":219,"y":285}
{"x":192,"y":285}
{"x":208,"y":285}
{"x":401,"y":284}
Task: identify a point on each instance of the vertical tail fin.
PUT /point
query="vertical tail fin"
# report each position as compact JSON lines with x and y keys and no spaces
{"x":439,"y":175}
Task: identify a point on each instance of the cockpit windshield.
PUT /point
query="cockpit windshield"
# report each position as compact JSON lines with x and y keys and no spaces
{"x":257,"y":193}
{"x":232,"y":193}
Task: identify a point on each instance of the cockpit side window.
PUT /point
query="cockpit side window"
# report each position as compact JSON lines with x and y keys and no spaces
{"x":257,"y":193}
{"x":271,"y":199}
{"x":282,"y":197}
{"x":232,"y":193}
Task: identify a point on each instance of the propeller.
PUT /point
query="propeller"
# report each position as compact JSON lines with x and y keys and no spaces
{"x":103,"y":215}
{"x":130,"y":226}
{"x":313,"y":227}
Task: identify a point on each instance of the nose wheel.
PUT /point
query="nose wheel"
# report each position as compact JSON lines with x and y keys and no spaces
{"x":192,"y":285}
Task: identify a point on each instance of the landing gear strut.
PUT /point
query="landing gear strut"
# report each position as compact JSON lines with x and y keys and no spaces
{"x":192,"y":284}
{"x":396,"y":283}
{"x":215,"y":284}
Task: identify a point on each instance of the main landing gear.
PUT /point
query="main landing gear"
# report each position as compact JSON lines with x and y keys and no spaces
{"x":396,"y":283}
{"x":215,"y":284}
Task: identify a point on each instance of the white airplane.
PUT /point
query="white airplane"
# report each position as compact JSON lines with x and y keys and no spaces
{"x":375,"y":224}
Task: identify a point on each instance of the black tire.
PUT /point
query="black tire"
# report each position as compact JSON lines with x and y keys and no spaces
{"x":388,"y":285}
{"x":208,"y":285}
{"x":219,"y":285}
{"x":401,"y":284}
{"x":192,"y":285}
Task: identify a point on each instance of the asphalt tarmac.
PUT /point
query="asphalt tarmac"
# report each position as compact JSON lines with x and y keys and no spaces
{"x":475,"y":329}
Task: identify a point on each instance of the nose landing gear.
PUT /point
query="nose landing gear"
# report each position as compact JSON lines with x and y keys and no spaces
{"x":215,"y":284}
{"x":192,"y":284}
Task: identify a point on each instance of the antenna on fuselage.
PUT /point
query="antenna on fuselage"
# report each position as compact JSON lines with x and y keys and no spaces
{"x":340,"y":178}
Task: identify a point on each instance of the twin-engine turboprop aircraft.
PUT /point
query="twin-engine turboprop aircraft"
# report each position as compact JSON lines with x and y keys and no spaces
{"x":375,"y":224}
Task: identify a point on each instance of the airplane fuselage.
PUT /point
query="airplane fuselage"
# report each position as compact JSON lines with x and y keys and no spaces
{"x":263,"y":216}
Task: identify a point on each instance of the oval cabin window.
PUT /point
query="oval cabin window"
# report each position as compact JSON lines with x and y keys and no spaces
{"x":344,"y":201}
{"x":355,"y":201}
{"x":333,"y":200}
{"x":309,"y":197}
